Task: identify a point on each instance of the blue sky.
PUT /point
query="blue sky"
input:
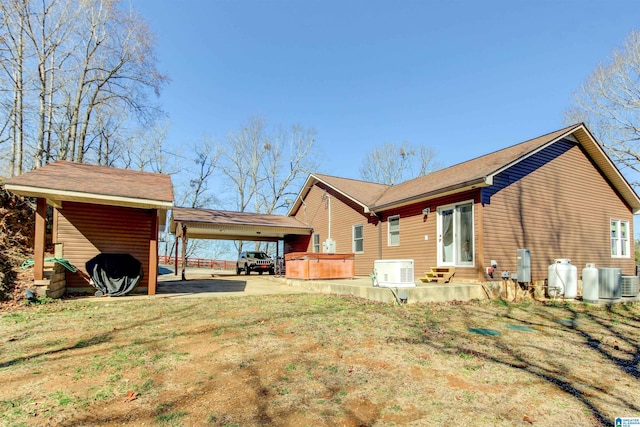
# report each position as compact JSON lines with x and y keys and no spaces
{"x":463,"y":77}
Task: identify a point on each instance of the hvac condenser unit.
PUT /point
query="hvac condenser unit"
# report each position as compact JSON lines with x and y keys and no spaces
{"x":394,"y":273}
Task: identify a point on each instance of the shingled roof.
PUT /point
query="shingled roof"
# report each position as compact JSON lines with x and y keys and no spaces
{"x":228,"y":225}
{"x":474,"y":173}
{"x":69,"y":181}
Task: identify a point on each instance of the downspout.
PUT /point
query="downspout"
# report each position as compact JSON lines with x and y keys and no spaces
{"x":329,"y":212}
{"x":379,"y":216}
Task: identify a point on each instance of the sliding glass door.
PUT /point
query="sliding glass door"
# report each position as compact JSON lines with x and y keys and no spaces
{"x":455,"y":235}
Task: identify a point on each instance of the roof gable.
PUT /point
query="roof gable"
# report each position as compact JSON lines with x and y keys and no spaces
{"x":363,"y":193}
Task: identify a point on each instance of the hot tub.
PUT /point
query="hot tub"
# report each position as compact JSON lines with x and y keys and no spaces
{"x":314,"y":265}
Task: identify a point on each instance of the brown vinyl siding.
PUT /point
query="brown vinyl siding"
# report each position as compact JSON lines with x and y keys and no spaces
{"x":557,"y":205}
{"x":551,"y":195}
{"x":344,"y":215}
{"x":412,"y":231}
{"x":414,"y":227}
{"x":87,"y":230}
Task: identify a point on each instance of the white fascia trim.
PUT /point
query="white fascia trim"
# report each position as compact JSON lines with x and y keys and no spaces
{"x":364,"y":207}
{"x":526,"y":156}
{"x":97,"y":198}
{"x":301,"y":195}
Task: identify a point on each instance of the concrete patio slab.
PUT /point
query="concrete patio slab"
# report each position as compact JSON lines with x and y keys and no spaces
{"x":422,"y":292}
{"x":217,"y":283}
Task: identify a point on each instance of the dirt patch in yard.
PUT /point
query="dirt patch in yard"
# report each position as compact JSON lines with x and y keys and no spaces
{"x":317,"y":360}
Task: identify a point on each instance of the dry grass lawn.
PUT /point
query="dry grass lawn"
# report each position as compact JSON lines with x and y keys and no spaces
{"x":318,"y":360}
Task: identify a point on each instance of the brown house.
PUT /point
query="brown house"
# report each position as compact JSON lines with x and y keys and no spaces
{"x":558,"y":195}
{"x":97,"y":209}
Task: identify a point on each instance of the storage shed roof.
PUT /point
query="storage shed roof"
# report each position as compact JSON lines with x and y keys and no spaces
{"x":68,"y":181}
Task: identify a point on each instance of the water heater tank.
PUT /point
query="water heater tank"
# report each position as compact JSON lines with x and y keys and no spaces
{"x":562,"y":278}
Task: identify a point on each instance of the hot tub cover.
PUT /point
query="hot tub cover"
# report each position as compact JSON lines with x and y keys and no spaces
{"x":114,"y":274}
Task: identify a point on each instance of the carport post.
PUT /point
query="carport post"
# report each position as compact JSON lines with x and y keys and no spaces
{"x":175,"y":262}
{"x":38,"y":244}
{"x":184,"y":251}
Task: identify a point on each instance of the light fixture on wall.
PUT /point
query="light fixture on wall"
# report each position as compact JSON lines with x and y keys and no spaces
{"x":426,"y":211}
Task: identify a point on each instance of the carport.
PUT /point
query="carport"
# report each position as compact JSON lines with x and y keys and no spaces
{"x":228,"y":225}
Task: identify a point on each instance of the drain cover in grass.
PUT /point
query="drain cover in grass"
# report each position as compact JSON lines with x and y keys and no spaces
{"x":520,"y":328}
{"x":567,"y":322}
{"x":482,"y":331}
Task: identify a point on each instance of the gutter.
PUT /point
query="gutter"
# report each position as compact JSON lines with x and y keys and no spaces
{"x":484,"y":181}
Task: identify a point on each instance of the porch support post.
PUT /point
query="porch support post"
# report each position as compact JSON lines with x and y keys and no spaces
{"x":39,"y":240}
{"x":153,"y":254}
{"x":479,"y":230}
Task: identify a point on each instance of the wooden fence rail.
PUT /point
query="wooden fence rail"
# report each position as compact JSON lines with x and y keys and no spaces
{"x":215,"y":264}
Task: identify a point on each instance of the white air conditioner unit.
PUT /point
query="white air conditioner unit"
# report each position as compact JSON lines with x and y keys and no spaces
{"x":394,"y":273}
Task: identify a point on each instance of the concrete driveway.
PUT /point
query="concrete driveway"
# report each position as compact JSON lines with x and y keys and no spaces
{"x":207,"y":283}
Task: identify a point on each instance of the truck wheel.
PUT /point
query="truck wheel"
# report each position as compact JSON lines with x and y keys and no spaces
{"x":260,"y":272}
{"x":272,"y":272}
{"x":247,"y":271}
{"x":238,"y":269}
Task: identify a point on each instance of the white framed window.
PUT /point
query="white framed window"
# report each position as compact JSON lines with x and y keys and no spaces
{"x":316,"y":242}
{"x":358,"y":238}
{"x":393,"y":238}
{"x":455,"y":234}
{"x":620,"y":244}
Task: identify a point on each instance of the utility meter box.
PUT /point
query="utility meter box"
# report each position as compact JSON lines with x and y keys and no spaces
{"x":329,"y":246}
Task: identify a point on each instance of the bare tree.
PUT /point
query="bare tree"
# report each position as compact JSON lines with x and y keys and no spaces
{"x":206,"y":160}
{"x":75,"y":77}
{"x":288,"y":157}
{"x":609,"y":103}
{"x":144,"y":150}
{"x":241,"y":161}
{"x":47,"y":30}
{"x":265,"y":166}
{"x":198,"y":192}
{"x":116,"y":66}
{"x":391,"y":163}
{"x":12,"y":46}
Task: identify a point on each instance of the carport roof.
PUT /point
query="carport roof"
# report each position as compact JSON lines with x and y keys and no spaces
{"x":229,"y":225}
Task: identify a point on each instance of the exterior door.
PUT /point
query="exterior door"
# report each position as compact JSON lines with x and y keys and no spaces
{"x":455,"y":235}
